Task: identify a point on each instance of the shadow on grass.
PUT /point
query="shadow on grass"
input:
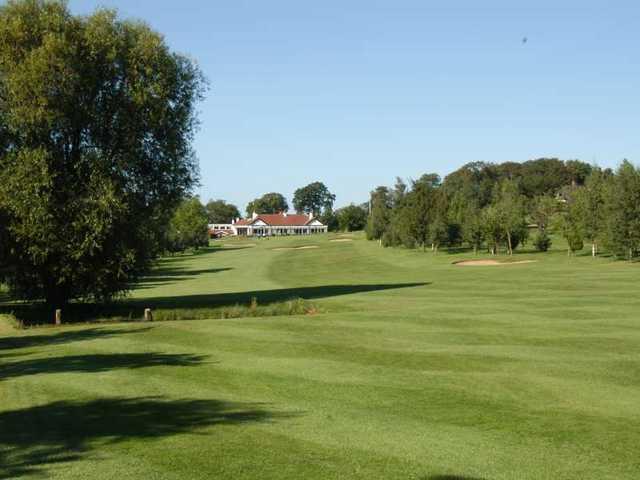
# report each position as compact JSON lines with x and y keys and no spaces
{"x":451,"y":477}
{"x":268,"y":296}
{"x":35,"y":439}
{"x":167,"y":275}
{"x":96,"y":363}
{"x":27,"y":341}
{"x":133,"y":309}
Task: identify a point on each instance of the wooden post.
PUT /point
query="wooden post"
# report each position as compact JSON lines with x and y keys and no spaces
{"x":148,"y":316}
{"x":58,"y":316}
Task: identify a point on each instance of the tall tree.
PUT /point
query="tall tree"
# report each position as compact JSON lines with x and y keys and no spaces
{"x":381,"y":203}
{"x":313,"y":198}
{"x":219,"y":211}
{"x":97,"y":117}
{"x":511,"y":209}
{"x":591,"y":203}
{"x":623,"y":211}
{"x":268,"y":203}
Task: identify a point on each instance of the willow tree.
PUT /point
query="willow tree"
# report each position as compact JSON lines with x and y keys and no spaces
{"x":97,"y":117}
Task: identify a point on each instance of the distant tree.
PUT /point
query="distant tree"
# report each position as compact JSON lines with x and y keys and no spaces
{"x":542,"y":241}
{"x":591,"y":204}
{"x":473,"y":230}
{"x":97,"y":117}
{"x":352,"y":218}
{"x":439,"y":230}
{"x":511,"y":210}
{"x":219,"y":211}
{"x":419,"y":208}
{"x":330,"y":219}
{"x":544,"y":209}
{"x":380,"y":216}
{"x":313,"y":198}
{"x":268,"y":203}
{"x":493,"y":227}
{"x":189,"y":226}
{"x":623,"y":211}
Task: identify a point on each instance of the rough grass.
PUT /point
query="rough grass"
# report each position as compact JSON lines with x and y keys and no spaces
{"x":413,"y":369}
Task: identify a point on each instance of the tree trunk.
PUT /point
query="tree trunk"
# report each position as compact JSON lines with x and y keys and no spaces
{"x":510,"y":250}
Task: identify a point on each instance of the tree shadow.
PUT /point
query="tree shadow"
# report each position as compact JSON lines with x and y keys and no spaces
{"x":132,"y":309}
{"x":96,"y":363}
{"x":267,"y":296}
{"x":26,"y":341}
{"x":167,"y":275}
{"x":451,"y":477}
{"x":35,"y":438}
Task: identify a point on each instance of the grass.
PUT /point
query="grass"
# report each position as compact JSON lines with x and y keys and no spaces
{"x":412,"y":368}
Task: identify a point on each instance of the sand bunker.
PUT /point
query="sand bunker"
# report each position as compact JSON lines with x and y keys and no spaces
{"x":342,"y":240}
{"x":306,"y":247}
{"x":489,"y":263}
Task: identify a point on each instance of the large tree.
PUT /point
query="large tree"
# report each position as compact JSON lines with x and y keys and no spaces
{"x":219,"y":211}
{"x":591,"y":204}
{"x":623,"y":211}
{"x":381,"y":203}
{"x":268,"y":203}
{"x":97,"y":117}
{"x":313,"y":198}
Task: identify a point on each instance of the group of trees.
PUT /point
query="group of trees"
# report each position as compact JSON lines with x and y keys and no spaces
{"x":495,"y":206}
{"x":97,"y":117}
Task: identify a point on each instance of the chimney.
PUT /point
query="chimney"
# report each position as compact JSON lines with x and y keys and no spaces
{"x":310,"y":215}
{"x":254,"y":216}
{"x":284,"y":214}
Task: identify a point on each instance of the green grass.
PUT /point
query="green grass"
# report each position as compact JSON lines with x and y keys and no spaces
{"x":413,"y":369}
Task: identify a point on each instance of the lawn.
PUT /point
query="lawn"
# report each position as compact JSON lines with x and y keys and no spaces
{"x":412,"y":368}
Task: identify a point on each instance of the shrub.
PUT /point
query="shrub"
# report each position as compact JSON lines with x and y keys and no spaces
{"x":542,"y":242}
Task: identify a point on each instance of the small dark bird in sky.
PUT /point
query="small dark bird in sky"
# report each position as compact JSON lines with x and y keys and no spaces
{"x":525,"y":40}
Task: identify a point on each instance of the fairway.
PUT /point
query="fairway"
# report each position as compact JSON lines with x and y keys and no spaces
{"x":411,"y":368}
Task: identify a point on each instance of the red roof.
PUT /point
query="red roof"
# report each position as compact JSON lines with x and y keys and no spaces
{"x":277,"y":220}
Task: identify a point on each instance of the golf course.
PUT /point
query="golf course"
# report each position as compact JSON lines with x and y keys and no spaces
{"x":401,"y":364}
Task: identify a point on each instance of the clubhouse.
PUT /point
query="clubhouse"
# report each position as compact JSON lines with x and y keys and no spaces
{"x":267,"y":225}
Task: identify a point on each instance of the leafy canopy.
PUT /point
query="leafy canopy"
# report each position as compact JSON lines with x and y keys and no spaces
{"x":97,"y":117}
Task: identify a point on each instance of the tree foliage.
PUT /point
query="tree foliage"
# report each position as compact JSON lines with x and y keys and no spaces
{"x":97,"y":116}
{"x":313,"y":198}
{"x":352,"y":218}
{"x":219,"y":211}
{"x":268,"y":203}
{"x":189,"y":226}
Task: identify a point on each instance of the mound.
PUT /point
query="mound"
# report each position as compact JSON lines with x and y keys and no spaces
{"x":296,"y":248}
{"x":342,"y":240}
{"x":489,"y":263}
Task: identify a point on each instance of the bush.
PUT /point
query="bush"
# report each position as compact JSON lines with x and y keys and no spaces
{"x":542,"y":242}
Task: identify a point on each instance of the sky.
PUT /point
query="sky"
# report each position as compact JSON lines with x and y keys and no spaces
{"x":355,"y":93}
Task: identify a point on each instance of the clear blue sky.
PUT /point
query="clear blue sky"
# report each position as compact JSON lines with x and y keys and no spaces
{"x":355,"y":93}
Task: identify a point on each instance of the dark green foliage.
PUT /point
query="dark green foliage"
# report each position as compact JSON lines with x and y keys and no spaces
{"x":219,"y":211}
{"x":314,"y":198}
{"x":268,"y":203}
{"x":542,"y":241}
{"x":352,"y":218}
{"x":97,"y":119}
{"x":623,"y":211}
{"x":330,"y":219}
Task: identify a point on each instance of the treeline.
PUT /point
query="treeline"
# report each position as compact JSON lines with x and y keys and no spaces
{"x":499,"y":207}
